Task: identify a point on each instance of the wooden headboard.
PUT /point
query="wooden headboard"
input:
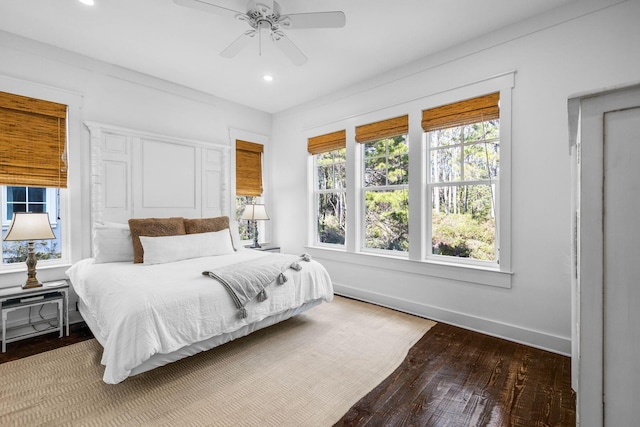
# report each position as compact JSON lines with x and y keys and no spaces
{"x":137,"y":174}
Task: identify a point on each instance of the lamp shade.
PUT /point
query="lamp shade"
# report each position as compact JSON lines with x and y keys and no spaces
{"x":255,"y":212}
{"x":30,"y":226}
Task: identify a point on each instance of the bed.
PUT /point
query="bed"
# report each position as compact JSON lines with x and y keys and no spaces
{"x":152,"y":297}
{"x":146,"y":316}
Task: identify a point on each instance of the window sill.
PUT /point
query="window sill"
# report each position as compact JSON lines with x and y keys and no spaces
{"x":464,"y":273}
{"x":21,"y":267}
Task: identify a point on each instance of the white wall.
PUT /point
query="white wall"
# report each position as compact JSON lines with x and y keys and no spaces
{"x":582,"y":47}
{"x":118,"y":97}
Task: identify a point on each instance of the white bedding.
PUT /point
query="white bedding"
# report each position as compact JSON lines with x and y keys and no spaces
{"x":143,"y":310}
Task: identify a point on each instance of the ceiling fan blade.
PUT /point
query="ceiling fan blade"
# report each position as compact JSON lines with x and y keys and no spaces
{"x":238,"y":44}
{"x":313,"y":20}
{"x":287,"y":47}
{"x":208,"y":7}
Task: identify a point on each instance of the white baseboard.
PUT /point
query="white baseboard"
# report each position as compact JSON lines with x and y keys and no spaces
{"x":517,"y":334}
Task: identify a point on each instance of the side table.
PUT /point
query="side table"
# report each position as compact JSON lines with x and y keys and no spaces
{"x":15,"y":298}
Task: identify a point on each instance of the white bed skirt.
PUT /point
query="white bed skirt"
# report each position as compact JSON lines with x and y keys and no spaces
{"x":159,"y":359}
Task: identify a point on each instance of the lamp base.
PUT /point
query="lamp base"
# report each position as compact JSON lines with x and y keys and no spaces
{"x":31,"y":282}
{"x":255,"y":244}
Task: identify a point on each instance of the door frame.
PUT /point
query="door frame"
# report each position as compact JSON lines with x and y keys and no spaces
{"x":586,"y":123}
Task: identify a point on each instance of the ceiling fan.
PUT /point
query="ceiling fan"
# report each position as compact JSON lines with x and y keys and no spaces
{"x":265,"y":17}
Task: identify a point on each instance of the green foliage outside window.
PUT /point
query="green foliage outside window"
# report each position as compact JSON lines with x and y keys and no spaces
{"x":387,"y":220}
{"x":331,"y":203}
{"x":386,"y":178}
{"x":464,"y":171}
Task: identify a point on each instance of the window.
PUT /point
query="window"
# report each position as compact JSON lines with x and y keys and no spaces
{"x":248,"y":182}
{"x":330,"y":186}
{"x":33,"y":169}
{"x":30,"y":199}
{"x":385,"y":184}
{"x":463,"y":146}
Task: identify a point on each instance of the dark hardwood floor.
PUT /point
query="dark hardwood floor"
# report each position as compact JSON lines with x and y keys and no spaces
{"x":451,"y":377}
{"x":28,"y":347}
{"x":455,"y":377}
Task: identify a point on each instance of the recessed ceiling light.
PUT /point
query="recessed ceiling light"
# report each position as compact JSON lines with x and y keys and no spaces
{"x":88,"y":2}
{"x":267,"y":78}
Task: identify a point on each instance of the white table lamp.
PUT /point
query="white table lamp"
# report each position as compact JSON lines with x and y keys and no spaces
{"x":255,"y":213}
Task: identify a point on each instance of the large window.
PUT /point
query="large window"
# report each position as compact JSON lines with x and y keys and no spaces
{"x":329,"y":187}
{"x":33,"y":168}
{"x":463,"y":145}
{"x":385,"y":184}
{"x":429,"y":189}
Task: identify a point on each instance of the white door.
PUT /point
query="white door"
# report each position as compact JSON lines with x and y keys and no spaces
{"x":609,"y":260}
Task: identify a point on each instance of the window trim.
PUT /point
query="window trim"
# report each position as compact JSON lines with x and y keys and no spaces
{"x":504,"y":85}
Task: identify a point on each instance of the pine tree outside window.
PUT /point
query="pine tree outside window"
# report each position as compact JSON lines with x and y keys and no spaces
{"x":463,"y":145}
{"x":329,"y":188}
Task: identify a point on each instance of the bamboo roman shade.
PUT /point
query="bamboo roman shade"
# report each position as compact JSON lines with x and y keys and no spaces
{"x":382,"y":129}
{"x":327,"y":142}
{"x":248,"y":168}
{"x":472,"y":110}
{"x":33,"y":136}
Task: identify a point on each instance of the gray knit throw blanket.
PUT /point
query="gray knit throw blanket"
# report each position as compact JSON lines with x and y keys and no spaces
{"x":247,"y":280}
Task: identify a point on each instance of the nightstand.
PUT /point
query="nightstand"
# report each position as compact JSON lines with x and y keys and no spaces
{"x":16,"y":298}
{"x":266,"y":248}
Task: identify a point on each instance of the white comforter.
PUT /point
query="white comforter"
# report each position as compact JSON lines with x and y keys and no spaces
{"x":142,"y":310}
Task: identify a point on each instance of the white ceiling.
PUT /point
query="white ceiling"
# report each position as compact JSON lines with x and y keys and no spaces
{"x":181,"y":45}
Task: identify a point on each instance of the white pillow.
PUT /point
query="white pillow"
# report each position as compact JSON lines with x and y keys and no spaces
{"x":235,"y":235}
{"x":112,"y":242}
{"x":161,"y":249}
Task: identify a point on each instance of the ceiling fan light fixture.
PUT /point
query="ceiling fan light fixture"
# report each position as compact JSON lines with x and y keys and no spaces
{"x":88,"y":2}
{"x":267,"y":78}
{"x":266,"y":16}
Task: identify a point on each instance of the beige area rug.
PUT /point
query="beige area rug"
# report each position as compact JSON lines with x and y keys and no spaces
{"x":306,"y":371}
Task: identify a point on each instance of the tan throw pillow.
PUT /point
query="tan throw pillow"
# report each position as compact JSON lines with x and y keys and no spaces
{"x":206,"y":225}
{"x":152,"y":227}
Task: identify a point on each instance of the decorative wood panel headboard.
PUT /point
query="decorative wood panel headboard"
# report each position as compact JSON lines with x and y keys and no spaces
{"x":137,"y":174}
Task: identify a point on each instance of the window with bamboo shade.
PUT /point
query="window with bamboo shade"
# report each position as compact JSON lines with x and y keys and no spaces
{"x":330,"y":197}
{"x":385,"y":185}
{"x":33,"y":137}
{"x":463,"y":143}
{"x":248,"y":168}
